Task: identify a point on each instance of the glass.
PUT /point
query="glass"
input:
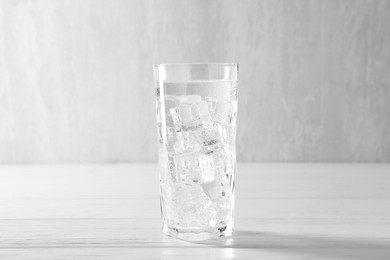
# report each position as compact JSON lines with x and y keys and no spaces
{"x":196,"y":124}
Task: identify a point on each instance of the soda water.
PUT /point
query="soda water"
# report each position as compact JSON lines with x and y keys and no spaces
{"x":196,"y":134}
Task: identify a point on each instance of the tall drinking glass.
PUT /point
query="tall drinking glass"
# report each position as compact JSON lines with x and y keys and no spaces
{"x":196,"y":123}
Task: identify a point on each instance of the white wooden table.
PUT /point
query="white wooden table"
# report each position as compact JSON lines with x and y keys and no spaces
{"x":283,"y":211}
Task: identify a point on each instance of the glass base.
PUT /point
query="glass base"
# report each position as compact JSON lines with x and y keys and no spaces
{"x":197,"y":235}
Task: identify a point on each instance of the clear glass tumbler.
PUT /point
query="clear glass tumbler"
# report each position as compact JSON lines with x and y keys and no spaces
{"x":196,"y":123}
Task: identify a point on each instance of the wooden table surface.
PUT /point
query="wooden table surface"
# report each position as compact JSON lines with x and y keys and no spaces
{"x":111,"y":211}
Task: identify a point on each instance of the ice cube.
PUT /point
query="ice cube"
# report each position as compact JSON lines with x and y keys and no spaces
{"x":211,"y":102}
{"x":184,"y":118}
{"x":186,"y":205}
{"x":190,"y":116}
{"x":196,"y":167}
{"x":218,"y":188}
{"x":220,"y":162}
{"x":171,"y":137}
{"x":210,"y":138}
{"x":169,"y":103}
{"x":186,"y":143}
{"x":172,"y":101}
{"x":223,"y":163}
{"x":203,"y":111}
{"x":167,"y":169}
{"x":172,"y":173}
{"x":223,"y":112}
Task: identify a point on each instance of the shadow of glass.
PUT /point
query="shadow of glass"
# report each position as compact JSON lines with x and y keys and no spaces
{"x":341,"y":248}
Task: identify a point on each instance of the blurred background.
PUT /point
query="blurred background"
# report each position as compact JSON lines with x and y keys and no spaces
{"x":76,"y":79}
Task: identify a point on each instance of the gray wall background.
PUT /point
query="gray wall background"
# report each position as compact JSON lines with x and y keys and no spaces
{"x":76,"y":76}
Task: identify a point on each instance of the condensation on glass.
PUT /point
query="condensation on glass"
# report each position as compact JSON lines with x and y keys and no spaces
{"x":196,"y":125}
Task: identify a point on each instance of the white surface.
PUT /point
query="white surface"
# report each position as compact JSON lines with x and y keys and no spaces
{"x":283,"y":211}
{"x":76,"y":76}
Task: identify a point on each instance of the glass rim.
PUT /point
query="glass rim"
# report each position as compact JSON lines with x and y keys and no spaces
{"x":222,"y":64}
